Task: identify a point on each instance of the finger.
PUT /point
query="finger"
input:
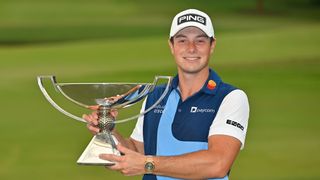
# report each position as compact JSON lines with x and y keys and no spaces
{"x":90,"y":119}
{"x":93,"y":129}
{"x":114,"y":113}
{"x":123,"y":149}
{"x":94,"y":114}
{"x":86,"y":118}
{"x":95,"y":107}
{"x":111,"y":157}
{"x":115,"y":167}
{"x":93,"y":119}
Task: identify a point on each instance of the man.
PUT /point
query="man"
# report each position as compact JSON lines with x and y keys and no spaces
{"x":200,"y":126}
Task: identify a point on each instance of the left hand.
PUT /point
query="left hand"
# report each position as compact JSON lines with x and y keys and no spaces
{"x":92,"y":119}
{"x":129,"y":164}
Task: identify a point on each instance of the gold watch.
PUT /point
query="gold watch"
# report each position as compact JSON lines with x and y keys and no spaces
{"x":149,"y":165}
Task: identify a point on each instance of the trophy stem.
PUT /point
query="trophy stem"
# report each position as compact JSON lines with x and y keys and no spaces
{"x":106,"y":125}
{"x":105,"y":120}
{"x":111,"y":141}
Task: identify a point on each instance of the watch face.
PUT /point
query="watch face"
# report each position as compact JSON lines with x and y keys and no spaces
{"x":149,"y":166}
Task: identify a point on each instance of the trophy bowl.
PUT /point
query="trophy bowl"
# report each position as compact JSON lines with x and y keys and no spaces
{"x":104,"y":97}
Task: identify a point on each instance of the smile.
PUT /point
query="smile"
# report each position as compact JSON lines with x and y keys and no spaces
{"x":191,"y":58}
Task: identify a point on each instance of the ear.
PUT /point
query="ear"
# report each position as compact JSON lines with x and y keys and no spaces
{"x":213,"y":45}
{"x":171,"y":46}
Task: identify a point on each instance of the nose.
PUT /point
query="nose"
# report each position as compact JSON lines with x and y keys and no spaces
{"x":191,"y":47}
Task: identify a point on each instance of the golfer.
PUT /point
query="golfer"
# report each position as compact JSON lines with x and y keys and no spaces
{"x":198,"y":130}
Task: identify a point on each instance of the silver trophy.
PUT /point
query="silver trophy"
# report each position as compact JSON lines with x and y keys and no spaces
{"x":105,"y":97}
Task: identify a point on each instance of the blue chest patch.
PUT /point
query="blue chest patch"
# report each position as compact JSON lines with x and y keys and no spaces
{"x":194,"y":115}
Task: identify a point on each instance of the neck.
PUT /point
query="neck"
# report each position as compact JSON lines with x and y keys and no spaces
{"x":190,"y":83}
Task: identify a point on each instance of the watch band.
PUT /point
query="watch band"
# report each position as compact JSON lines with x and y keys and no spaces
{"x":149,"y":165}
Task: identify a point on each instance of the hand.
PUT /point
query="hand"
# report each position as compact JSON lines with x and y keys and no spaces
{"x":92,"y":119}
{"x":130,"y":164}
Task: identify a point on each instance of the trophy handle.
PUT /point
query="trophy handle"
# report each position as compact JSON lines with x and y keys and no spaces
{"x":165,"y":92}
{"x":47,"y":96}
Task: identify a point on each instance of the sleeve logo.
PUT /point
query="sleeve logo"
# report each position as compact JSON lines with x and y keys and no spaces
{"x":235,"y":124}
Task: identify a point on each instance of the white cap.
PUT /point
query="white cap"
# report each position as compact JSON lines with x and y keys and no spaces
{"x":192,"y":17}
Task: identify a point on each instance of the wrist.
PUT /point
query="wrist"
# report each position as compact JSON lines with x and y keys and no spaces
{"x":149,"y":165}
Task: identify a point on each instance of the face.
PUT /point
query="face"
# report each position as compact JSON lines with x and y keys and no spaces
{"x":191,"y":49}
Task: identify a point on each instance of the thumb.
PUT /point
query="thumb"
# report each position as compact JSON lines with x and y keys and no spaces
{"x":94,"y":107}
{"x":114,"y":113}
{"x":123,"y":149}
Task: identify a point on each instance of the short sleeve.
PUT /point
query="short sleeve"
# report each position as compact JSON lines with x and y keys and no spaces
{"x":137,"y":133}
{"x":232,"y":116}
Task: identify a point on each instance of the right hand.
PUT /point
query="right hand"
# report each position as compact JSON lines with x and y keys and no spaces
{"x":92,"y":119}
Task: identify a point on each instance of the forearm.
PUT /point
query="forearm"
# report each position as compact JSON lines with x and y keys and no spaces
{"x":197,"y":165}
{"x":215,"y":162}
{"x":212,"y":163}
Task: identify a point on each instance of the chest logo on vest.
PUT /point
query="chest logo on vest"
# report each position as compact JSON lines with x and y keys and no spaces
{"x":158,"y":109}
{"x":201,"y":110}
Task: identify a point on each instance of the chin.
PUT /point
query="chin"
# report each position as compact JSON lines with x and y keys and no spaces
{"x":192,"y":67}
{"x":192,"y":70}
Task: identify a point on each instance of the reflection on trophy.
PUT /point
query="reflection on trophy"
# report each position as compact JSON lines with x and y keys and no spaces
{"x":104,"y":97}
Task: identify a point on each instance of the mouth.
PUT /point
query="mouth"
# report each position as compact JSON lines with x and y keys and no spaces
{"x":191,"y":58}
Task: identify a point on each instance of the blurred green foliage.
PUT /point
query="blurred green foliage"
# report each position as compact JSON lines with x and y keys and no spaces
{"x":273,"y":55}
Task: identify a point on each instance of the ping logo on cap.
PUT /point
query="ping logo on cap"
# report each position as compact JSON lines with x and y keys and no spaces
{"x":192,"y":18}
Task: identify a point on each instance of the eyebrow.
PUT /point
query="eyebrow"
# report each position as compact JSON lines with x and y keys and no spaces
{"x":203,"y":35}
{"x":180,"y":36}
{"x":184,"y":36}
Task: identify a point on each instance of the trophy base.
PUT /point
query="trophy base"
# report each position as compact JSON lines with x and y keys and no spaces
{"x":90,"y":156}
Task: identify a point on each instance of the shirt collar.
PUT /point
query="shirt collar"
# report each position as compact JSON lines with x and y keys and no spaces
{"x":210,"y":86}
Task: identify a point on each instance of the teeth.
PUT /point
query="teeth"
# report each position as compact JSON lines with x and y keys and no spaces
{"x":191,"y":58}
